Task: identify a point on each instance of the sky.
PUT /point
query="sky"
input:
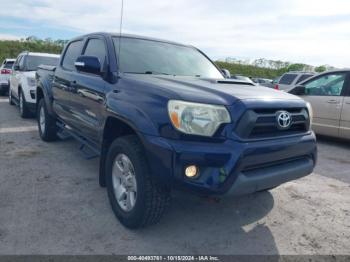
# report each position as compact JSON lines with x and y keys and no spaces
{"x":307,"y":31}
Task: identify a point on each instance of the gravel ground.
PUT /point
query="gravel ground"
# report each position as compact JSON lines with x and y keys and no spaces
{"x":50,"y":203}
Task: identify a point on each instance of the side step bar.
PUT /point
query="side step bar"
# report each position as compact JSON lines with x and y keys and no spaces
{"x":86,"y":147}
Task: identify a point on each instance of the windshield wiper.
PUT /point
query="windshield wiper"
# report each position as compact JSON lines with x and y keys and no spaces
{"x":149,"y":73}
{"x":156,"y":73}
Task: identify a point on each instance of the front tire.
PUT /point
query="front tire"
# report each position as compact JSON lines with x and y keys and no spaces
{"x":136,"y":198}
{"x":23,"y":108}
{"x":46,"y":123}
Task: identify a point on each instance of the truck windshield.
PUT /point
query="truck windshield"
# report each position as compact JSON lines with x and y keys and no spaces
{"x":32,"y":62}
{"x":139,"y":56}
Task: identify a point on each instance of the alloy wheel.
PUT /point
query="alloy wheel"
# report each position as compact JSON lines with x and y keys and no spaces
{"x":124,"y":182}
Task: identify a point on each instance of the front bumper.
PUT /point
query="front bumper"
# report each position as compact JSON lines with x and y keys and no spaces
{"x":231,"y":167}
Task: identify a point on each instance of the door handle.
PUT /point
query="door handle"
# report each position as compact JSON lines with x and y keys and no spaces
{"x":332,"y":101}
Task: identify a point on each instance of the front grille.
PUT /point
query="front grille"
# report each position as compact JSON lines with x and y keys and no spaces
{"x":262,"y":123}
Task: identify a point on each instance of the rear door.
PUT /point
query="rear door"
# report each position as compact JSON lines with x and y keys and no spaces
{"x":326,"y":94}
{"x":344,"y":130}
{"x":88,"y":97}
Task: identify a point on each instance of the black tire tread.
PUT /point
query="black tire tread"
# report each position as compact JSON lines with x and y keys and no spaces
{"x":26,"y":112}
{"x":10,"y":98}
{"x":51,"y":126}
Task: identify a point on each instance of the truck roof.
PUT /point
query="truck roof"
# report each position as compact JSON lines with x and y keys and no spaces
{"x":40,"y":54}
{"x":106,"y":34}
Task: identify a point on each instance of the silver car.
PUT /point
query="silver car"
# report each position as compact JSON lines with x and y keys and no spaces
{"x":289,"y":80}
{"x":329,"y":95}
{"x":5,"y":72}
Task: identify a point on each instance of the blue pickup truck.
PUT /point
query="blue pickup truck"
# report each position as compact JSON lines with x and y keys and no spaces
{"x":162,"y":116}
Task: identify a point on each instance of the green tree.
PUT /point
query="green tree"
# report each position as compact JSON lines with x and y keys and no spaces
{"x":296,"y":67}
{"x":11,"y":49}
{"x":320,"y":69}
{"x":251,"y":70}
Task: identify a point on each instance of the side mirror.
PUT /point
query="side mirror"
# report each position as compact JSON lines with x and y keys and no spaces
{"x":88,"y":64}
{"x":298,"y":90}
{"x":16,"y":67}
{"x":226,"y":73}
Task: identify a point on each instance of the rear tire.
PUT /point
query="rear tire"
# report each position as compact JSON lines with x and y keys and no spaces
{"x":23,"y":108}
{"x":46,"y":123}
{"x":149,"y":200}
{"x":10,"y":98}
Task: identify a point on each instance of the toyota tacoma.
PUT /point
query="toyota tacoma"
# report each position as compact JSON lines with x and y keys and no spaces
{"x":162,"y":116}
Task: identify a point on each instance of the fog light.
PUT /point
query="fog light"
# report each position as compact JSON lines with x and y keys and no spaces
{"x":191,"y":171}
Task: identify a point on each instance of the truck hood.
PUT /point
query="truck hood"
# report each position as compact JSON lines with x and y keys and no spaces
{"x":213,"y":91}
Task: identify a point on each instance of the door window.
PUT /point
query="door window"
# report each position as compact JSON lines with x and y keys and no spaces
{"x":326,"y":85}
{"x":96,"y":47}
{"x":71,"y":55}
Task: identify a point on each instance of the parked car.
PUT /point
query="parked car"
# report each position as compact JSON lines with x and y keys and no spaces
{"x":22,"y":81}
{"x":160,"y":117}
{"x":242,"y":78}
{"x":289,"y":80}
{"x":263,"y":82}
{"x":329,"y":95}
{"x":5,"y":72}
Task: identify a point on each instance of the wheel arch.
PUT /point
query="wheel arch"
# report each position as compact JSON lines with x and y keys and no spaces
{"x":43,"y":92}
{"x":114,"y":127}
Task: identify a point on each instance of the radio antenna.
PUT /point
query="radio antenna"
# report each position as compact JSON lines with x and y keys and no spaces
{"x":120,"y":30}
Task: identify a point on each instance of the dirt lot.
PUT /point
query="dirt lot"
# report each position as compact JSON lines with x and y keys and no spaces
{"x":50,"y":203}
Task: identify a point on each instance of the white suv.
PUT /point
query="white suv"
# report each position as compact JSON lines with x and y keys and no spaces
{"x":5,"y":72}
{"x":22,"y":81}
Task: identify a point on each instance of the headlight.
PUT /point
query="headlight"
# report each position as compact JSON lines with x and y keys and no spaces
{"x":311,"y":113}
{"x":197,"y":119}
{"x":31,"y":81}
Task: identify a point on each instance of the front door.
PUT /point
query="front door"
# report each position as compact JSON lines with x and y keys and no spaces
{"x":89,"y":95}
{"x":63,"y":86}
{"x":325,"y":94}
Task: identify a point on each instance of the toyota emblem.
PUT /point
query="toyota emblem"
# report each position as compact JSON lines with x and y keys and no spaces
{"x":284,"y":120}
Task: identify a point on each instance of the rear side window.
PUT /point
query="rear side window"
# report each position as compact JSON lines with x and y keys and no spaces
{"x":97,"y":48}
{"x":32,"y":62}
{"x":303,"y":77}
{"x":8,"y":65}
{"x":71,"y":55}
{"x":287,"y":79}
